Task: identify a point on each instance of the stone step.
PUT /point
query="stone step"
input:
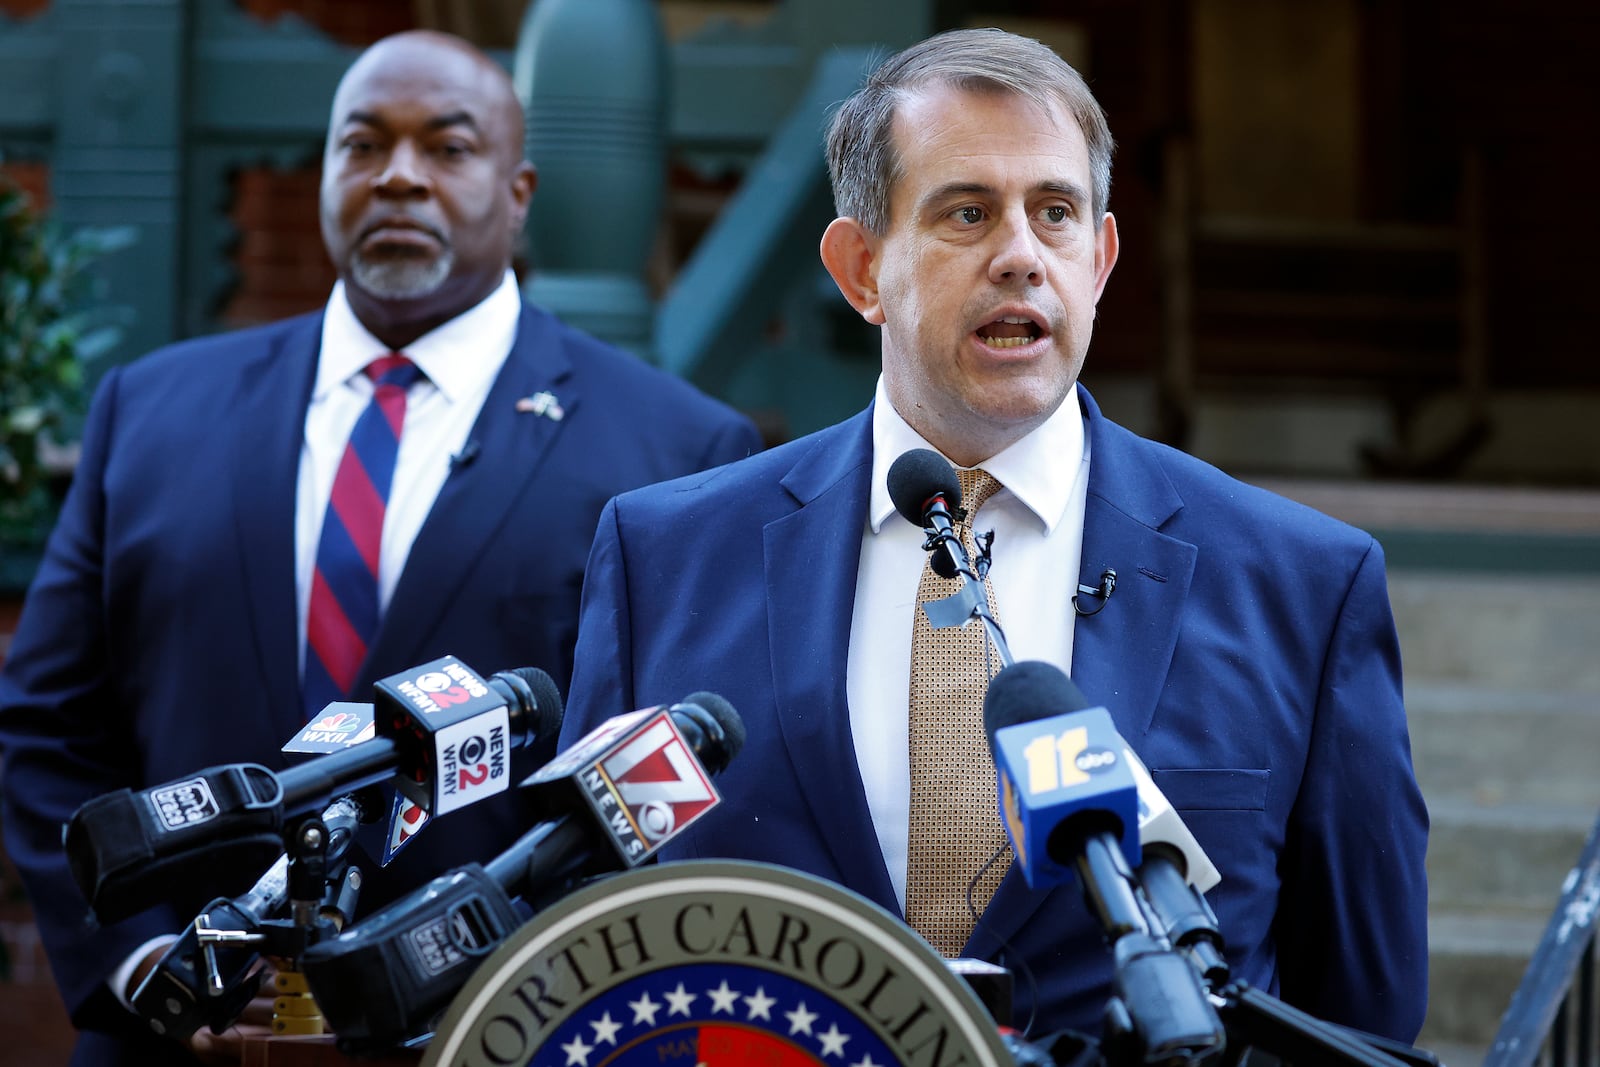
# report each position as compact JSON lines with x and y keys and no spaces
{"x":1475,"y":963}
{"x":1496,"y":745}
{"x":1508,"y":859}
{"x":1455,"y":1054}
{"x":1524,"y":632}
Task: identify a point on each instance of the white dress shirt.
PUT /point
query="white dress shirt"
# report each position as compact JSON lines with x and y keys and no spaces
{"x":460,"y":359}
{"x":1037,"y":520}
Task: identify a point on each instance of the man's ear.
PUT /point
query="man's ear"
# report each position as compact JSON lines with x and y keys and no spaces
{"x":524,"y":180}
{"x":850,"y":252}
{"x":1105,"y":253}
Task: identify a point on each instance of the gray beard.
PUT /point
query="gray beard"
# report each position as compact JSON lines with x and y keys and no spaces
{"x":401,"y":278}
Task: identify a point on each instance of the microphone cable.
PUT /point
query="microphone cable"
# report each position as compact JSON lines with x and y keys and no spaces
{"x":1006,"y":947}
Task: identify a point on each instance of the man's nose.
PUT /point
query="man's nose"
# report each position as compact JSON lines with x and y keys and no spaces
{"x":405,"y":173}
{"x":1017,"y":258}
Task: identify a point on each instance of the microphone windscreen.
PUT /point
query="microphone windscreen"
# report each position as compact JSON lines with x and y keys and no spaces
{"x":918,"y":476}
{"x":1028,"y":690}
{"x":546,"y":700}
{"x":534,"y":703}
{"x":732,"y":726}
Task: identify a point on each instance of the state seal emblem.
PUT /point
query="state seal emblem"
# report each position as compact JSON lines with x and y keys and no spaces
{"x":718,"y":963}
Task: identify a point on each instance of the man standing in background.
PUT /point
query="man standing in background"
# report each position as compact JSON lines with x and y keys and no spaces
{"x":269,"y":520}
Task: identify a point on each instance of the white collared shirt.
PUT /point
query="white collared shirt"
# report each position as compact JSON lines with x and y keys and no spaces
{"x":1038,"y":545}
{"x":461,"y":359}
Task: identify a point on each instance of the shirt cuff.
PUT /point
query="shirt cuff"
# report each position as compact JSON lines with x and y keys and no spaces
{"x":119,"y":978}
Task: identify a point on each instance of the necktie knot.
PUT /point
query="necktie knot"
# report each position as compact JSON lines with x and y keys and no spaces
{"x":977,"y":486}
{"x":393,"y":370}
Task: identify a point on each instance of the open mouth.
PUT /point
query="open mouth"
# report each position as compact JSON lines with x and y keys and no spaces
{"x":1009,"y":331}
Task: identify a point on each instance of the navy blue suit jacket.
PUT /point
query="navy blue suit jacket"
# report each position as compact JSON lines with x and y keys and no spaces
{"x":1248,"y":655}
{"x":160,"y":636}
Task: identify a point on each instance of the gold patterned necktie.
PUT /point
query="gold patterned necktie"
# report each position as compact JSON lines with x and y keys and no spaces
{"x":954,"y":826}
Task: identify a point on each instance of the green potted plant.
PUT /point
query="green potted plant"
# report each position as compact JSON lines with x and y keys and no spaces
{"x":48,"y":336}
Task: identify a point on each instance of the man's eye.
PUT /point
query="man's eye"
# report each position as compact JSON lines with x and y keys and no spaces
{"x":454,"y":150}
{"x":1055,"y":213}
{"x":970,"y":215}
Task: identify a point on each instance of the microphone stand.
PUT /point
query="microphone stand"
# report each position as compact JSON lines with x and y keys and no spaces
{"x":969,"y":601}
{"x":1251,"y":1018}
{"x":1265,"y":1022}
{"x":209,"y":974}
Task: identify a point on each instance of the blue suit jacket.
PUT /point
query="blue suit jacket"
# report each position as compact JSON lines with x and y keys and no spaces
{"x":160,"y":635}
{"x":1248,"y":654}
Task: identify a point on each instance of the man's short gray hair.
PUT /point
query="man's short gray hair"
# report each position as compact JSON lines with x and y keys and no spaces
{"x":862,"y":162}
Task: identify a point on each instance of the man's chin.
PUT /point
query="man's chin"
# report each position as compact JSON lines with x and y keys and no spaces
{"x":400,"y":279}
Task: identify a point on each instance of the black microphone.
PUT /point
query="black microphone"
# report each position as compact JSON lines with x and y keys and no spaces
{"x":1174,"y":873}
{"x":1101,"y":593}
{"x":383,"y":980}
{"x":925,"y":489}
{"x":444,"y":737}
{"x":926,"y":492}
{"x":464,"y":458}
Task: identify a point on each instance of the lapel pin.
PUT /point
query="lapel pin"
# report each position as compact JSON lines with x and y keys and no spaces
{"x":543,"y":403}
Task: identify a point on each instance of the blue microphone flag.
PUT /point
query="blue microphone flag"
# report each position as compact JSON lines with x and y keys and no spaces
{"x":1060,"y":777}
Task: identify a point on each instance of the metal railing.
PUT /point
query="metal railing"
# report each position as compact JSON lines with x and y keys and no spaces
{"x":1553,"y":1014}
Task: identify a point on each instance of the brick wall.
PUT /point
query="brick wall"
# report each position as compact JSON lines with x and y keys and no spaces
{"x":19,"y":9}
{"x":32,"y":178}
{"x":354,"y":22}
{"x":282,"y":267}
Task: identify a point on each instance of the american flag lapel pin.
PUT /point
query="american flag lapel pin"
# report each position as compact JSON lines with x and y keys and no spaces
{"x":543,"y":404}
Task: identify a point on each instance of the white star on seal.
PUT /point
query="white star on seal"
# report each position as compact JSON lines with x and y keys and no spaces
{"x":760,"y":1004}
{"x":800,"y":1019}
{"x":644,"y":1010}
{"x":577,"y":1052}
{"x":679,"y":999}
{"x":605,"y":1029}
{"x":722,"y":998}
{"x":865,"y":1061}
{"x":833,"y":1040}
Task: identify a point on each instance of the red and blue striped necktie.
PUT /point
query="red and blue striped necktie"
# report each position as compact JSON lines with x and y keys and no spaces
{"x":343,"y":613}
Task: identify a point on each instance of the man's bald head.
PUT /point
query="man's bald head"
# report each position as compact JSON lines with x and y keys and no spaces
{"x":424,"y":188}
{"x":420,"y":50}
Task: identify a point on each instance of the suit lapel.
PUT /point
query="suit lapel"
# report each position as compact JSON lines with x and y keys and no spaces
{"x":812,"y":556}
{"x":267,"y":440}
{"x":476,"y":497}
{"x":1121,"y":654}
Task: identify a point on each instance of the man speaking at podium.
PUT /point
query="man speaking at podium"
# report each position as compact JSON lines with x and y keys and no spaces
{"x":1244,"y":645}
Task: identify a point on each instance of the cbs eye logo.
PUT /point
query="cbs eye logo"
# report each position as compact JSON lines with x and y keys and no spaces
{"x":473,"y":768}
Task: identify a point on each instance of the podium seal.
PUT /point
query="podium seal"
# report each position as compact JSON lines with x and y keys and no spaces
{"x":716,"y":963}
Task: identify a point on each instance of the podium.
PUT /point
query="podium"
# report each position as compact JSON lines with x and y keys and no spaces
{"x":316,"y":1051}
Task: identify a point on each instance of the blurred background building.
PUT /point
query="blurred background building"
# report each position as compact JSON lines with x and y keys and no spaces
{"x":1357,"y":235}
